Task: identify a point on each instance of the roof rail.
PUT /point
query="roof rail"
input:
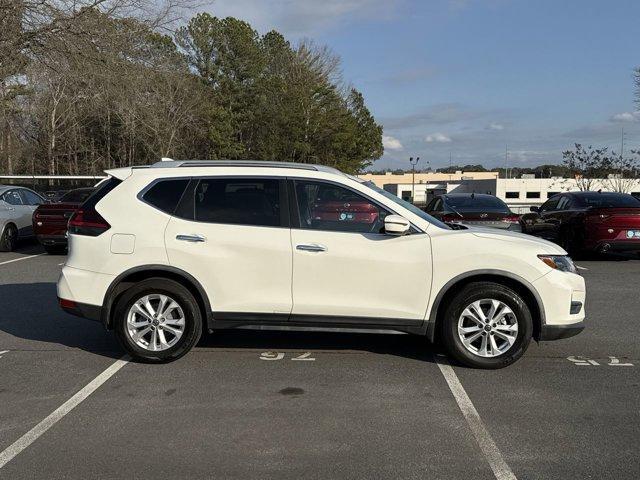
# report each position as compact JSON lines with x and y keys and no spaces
{"x":233,"y":163}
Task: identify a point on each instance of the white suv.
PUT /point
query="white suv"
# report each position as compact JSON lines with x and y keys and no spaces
{"x":161,"y":253}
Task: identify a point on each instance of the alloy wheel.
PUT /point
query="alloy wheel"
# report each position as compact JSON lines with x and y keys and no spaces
{"x":155,"y":322}
{"x":488,"y":328}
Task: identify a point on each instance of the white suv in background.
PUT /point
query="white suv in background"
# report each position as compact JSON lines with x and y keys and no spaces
{"x":162,"y":253}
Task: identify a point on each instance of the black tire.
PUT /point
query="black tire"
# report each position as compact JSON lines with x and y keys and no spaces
{"x":184,"y":298}
{"x":480,"y":291}
{"x":55,"y":249}
{"x":571,"y":242}
{"x":9,"y":238}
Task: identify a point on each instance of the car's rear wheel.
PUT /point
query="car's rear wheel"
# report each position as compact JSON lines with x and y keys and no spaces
{"x":157,"y":320}
{"x":55,"y":249}
{"x":487,"y":325}
{"x":9,"y":238}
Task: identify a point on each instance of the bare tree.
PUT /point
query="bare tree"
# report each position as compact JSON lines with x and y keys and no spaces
{"x":621,"y":173}
{"x":586,"y":164}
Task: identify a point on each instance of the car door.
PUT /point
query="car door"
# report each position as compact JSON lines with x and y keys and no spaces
{"x":558,"y":218}
{"x":30,"y":201}
{"x":19,"y":213}
{"x":232,"y":234}
{"x":542,"y":222}
{"x":345,"y":270}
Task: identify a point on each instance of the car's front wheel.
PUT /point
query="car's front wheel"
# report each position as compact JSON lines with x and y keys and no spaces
{"x":487,"y":325}
{"x":157,"y":320}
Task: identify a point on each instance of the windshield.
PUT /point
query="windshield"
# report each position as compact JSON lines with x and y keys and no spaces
{"x":604,"y":200}
{"x":477,"y":203}
{"x":412,"y":208}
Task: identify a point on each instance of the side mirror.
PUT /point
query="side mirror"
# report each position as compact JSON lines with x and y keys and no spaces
{"x":396,"y":225}
{"x":534,"y":209}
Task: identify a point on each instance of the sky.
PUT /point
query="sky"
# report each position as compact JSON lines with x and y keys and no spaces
{"x":469,"y":79}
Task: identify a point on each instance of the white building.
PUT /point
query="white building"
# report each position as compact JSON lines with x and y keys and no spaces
{"x":518,"y":193}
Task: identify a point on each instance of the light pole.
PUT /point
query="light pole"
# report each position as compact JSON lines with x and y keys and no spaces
{"x":413,"y":177}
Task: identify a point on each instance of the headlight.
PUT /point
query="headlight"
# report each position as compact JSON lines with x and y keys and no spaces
{"x":559,"y":262}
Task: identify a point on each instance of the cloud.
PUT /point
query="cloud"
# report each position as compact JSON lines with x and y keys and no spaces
{"x":304,"y":17}
{"x":437,"y":138}
{"x":391,"y":143}
{"x":440,"y":114}
{"x":412,"y":75}
{"x":626,"y":117}
{"x":495,"y":126}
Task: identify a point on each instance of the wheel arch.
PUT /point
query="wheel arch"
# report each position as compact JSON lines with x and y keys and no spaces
{"x":528,"y":292}
{"x":137,"y":274}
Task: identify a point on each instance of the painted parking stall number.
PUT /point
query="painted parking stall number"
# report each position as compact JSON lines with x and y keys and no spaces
{"x":271,"y":356}
{"x":587,"y":362}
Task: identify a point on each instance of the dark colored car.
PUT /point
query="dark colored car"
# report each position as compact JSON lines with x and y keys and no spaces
{"x":54,"y":195}
{"x":50,"y":220}
{"x":332,"y":207}
{"x":587,"y":221}
{"x":476,"y":209}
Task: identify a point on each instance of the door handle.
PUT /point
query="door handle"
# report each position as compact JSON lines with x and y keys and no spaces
{"x":190,"y":238}
{"x":312,"y":247}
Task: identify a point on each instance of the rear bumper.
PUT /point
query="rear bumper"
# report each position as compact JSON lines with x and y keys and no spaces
{"x":84,"y":310}
{"x":619,"y":246}
{"x":52,"y":239}
{"x":557,"y":332}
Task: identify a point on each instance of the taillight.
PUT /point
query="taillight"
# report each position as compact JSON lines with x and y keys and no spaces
{"x":451,"y":219}
{"x":511,"y":219}
{"x":87,"y":222}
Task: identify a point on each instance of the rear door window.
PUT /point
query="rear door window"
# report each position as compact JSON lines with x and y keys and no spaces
{"x":166,"y":194}
{"x":12,"y":197}
{"x":240,"y":201}
{"x":563,"y":204}
{"x":31,"y":198}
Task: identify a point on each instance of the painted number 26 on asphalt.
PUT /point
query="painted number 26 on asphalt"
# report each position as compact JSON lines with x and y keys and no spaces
{"x":305,"y":357}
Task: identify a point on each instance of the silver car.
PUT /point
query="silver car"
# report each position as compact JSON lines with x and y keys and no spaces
{"x":17,"y":205}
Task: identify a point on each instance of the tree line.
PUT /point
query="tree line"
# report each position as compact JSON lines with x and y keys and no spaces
{"x":104,"y":84}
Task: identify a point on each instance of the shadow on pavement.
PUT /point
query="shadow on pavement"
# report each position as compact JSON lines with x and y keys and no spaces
{"x":30,"y":312}
{"x":407,"y":346}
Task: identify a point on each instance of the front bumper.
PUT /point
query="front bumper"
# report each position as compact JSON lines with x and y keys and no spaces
{"x":557,"y":332}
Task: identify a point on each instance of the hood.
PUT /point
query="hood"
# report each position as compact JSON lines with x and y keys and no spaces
{"x":513,"y":237}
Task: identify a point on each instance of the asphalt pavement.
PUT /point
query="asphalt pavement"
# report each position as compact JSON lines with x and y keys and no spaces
{"x":290,"y":405}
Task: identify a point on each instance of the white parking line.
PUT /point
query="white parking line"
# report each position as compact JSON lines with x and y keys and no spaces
{"x":2,"y":352}
{"x":490,"y":450}
{"x":581,"y":268}
{"x":21,"y":258}
{"x":32,"y":435}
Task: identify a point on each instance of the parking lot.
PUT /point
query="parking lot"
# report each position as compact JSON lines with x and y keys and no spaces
{"x":251,"y":404}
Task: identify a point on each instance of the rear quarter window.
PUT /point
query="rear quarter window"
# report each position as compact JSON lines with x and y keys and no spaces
{"x":166,"y":194}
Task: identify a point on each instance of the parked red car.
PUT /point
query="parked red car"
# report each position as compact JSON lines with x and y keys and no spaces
{"x":587,"y":221}
{"x":50,"y":219}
